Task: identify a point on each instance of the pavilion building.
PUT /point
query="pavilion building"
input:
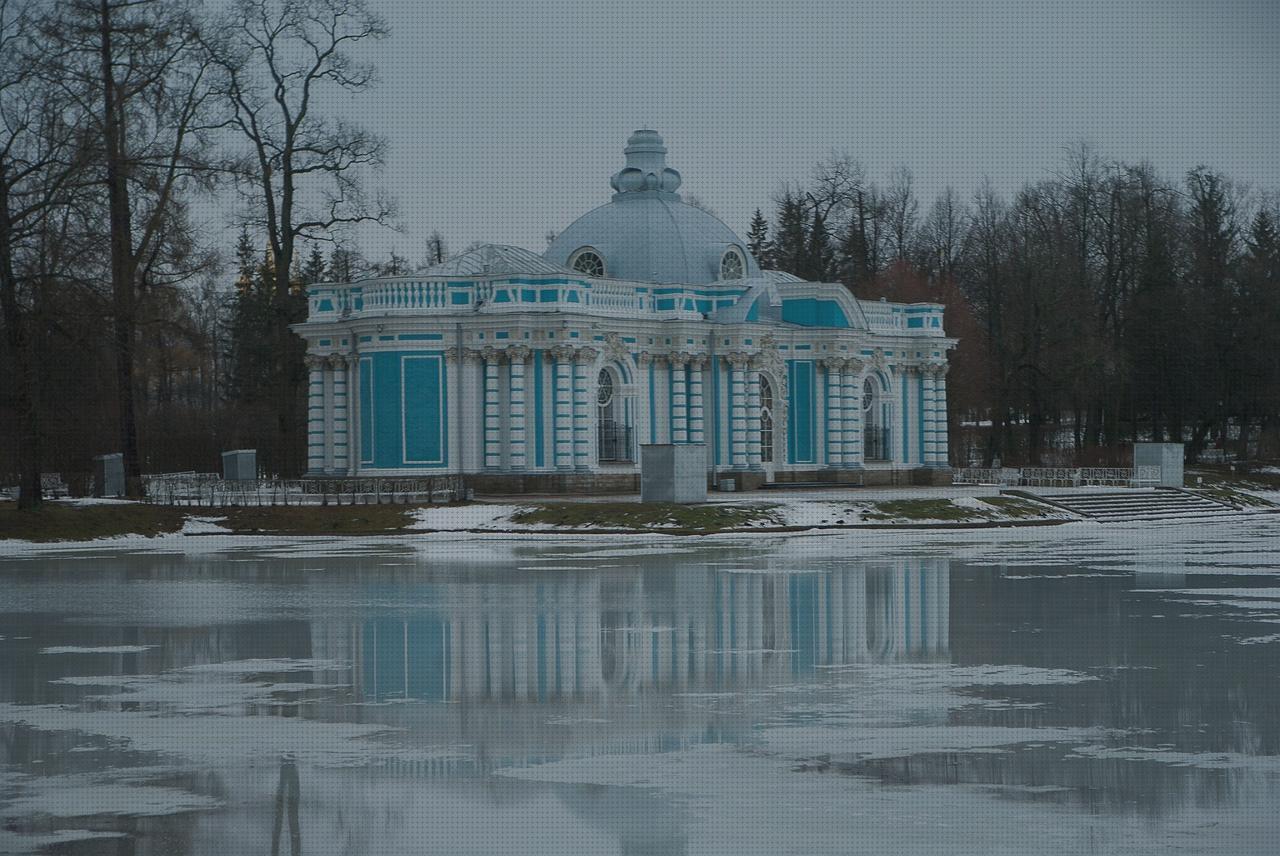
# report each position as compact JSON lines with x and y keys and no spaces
{"x":646,"y":321}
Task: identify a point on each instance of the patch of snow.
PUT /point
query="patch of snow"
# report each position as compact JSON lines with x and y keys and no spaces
{"x":100,"y":649}
{"x":204,"y":526}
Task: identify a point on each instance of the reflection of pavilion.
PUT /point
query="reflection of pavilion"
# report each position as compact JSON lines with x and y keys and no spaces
{"x":587,"y":636}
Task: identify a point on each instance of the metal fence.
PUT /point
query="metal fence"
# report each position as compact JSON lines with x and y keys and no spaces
{"x":876,"y":444}
{"x":614,"y":442}
{"x":196,"y":489}
{"x":1145,"y":476}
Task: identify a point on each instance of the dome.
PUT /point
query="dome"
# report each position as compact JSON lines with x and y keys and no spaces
{"x":647,"y":232}
{"x":493,"y":260}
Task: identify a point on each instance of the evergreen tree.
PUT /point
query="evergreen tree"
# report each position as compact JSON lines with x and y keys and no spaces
{"x":758,"y":240}
{"x":249,"y":359}
{"x":791,"y":241}
{"x":313,"y":270}
{"x":820,"y":259}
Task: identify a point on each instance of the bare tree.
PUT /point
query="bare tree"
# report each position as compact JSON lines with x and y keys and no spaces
{"x":138,"y":71}
{"x":901,"y":209}
{"x":39,"y":163}
{"x":303,"y":174}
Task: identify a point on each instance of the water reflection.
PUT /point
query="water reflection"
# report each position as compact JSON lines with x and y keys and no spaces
{"x":587,"y":636}
{"x":390,"y":705}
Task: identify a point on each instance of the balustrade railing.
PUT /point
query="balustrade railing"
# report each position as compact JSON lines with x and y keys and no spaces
{"x":1144,"y":476}
{"x":197,"y":490}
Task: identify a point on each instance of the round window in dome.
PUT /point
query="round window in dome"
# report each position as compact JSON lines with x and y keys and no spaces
{"x":732,"y":265}
{"x":588,"y":261}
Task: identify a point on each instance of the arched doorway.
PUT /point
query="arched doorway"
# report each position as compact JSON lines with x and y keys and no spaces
{"x":767,"y":422}
{"x":613,"y":434}
{"x":875,"y":422}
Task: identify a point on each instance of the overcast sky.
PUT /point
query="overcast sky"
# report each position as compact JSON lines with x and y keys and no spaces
{"x":506,"y":119}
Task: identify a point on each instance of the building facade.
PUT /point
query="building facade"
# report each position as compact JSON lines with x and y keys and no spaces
{"x":645,"y":321}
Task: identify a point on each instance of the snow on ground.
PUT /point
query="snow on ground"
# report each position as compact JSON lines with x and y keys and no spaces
{"x":462,"y":518}
{"x":203,"y":526}
{"x":101,"y":649}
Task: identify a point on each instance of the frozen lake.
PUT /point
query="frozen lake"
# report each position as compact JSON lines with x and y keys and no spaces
{"x":1075,"y":691}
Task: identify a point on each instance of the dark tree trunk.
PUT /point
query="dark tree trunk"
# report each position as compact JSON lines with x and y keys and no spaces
{"x":24,"y":376}
{"x":122,"y":276}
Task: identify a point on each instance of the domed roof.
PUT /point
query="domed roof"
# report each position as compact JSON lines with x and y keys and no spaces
{"x":647,"y":232}
{"x":494,"y":260}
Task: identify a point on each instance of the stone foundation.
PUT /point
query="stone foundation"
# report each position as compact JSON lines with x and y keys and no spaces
{"x":510,"y":484}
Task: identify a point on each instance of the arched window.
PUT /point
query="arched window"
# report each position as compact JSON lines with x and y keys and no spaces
{"x":766,"y":421}
{"x":875,"y":431}
{"x":588,"y":261}
{"x":612,"y":432}
{"x":732,"y":265}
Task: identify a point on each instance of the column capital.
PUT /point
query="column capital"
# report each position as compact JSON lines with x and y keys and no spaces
{"x":518,"y":353}
{"x":644,"y":358}
{"x":491,"y":354}
{"x":698,"y":361}
{"x":937,"y":368}
{"x":338,"y":361}
{"x":738,"y":360}
{"x":835,"y":363}
{"x":679,"y":358}
{"x":586,"y":355}
{"x":562,"y":353}
{"x":316,"y":362}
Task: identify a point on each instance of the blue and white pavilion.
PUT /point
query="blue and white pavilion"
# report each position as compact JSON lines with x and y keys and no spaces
{"x":645,"y":321}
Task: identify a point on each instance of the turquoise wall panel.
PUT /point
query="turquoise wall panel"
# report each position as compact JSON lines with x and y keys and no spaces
{"x":366,"y":410}
{"x":800,"y":428}
{"x":811,"y":312}
{"x":424,"y":409}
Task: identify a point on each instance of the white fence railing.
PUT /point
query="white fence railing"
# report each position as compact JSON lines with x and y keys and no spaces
{"x":1144,"y":476}
{"x":195,"y":489}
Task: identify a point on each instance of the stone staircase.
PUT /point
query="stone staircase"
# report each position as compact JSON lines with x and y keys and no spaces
{"x":1133,"y":505}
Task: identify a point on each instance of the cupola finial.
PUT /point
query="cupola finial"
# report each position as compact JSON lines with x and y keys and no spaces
{"x":646,"y":170}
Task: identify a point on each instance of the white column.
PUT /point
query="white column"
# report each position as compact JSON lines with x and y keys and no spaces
{"x":852,"y":420}
{"x":835,"y":411}
{"x":942,"y":448}
{"x":738,"y":411}
{"x":562,"y":407}
{"x":697,"y":409}
{"x":583,"y":455}
{"x":315,"y":415}
{"x":492,"y":416}
{"x":679,"y":400}
{"x":753,"y":416}
{"x":517,"y":357}
{"x":340,"y":433}
{"x":927,"y":418}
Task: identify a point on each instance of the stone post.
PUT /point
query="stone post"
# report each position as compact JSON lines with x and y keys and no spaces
{"x":697,"y":408}
{"x":492,"y":415}
{"x":679,"y":399}
{"x":517,"y":357}
{"x":315,"y":414}
{"x":835,"y":411}
{"x":562,"y":407}
{"x":852,"y":420}
{"x":738,"y":411}
{"x":340,"y":428}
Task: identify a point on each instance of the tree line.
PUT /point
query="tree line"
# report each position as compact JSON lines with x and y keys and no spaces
{"x":120,"y":121}
{"x":1101,"y":305}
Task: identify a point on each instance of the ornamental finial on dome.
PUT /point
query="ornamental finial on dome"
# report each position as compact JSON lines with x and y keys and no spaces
{"x":646,"y":170}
